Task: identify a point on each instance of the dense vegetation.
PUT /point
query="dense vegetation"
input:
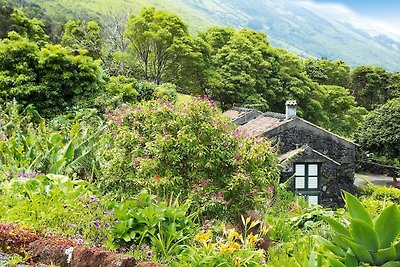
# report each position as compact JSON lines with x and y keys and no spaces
{"x":99,"y":143}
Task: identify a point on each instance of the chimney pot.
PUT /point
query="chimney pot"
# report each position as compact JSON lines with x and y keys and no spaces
{"x":291,"y":106}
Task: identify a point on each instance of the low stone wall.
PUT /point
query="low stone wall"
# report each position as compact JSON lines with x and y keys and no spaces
{"x":60,"y":252}
{"x":376,"y":168}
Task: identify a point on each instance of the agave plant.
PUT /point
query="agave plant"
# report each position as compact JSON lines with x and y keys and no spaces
{"x":364,"y":241}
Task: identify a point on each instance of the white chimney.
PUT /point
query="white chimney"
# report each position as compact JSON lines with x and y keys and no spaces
{"x":291,"y":106}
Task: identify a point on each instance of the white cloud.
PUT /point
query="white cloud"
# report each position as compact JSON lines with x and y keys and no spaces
{"x":343,"y":13}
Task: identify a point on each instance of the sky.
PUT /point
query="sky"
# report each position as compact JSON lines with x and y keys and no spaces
{"x":383,"y":12}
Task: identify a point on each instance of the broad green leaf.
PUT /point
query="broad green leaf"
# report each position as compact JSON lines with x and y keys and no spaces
{"x":312,"y":260}
{"x":55,"y":138}
{"x":350,"y":259}
{"x":335,"y":263}
{"x":69,"y":151}
{"x":333,"y":248}
{"x":338,"y":227}
{"x":392,"y":264}
{"x":356,"y":209}
{"x":387,"y":226}
{"x":361,"y":253}
{"x":364,"y":235}
{"x":384,"y":255}
{"x":338,"y":240}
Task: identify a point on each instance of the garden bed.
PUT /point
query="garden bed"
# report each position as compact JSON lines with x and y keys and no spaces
{"x":58,"y":251}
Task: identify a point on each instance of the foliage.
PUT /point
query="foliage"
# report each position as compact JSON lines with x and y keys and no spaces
{"x":327,"y":72}
{"x":363,"y":240}
{"x":152,"y":33}
{"x":50,"y":78}
{"x":28,"y":147}
{"x":380,"y":134}
{"x":224,"y":247}
{"x":189,"y":150}
{"x":55,"y":203}
{"x":142,"y":221}
{"x":373,"y":86}
{"x":166,"y":92}
{"x":342,"y":115}
{"x":83,"y":35}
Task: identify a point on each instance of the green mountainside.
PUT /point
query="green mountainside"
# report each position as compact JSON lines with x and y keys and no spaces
{"x":298,"y":26}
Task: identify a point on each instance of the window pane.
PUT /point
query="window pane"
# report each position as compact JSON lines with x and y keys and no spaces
{"x":312,"y":200}
{"x":300,"y":169}
{"x":299,"y":182}
{"x":312,"y":182}
{"x":313,"y":170}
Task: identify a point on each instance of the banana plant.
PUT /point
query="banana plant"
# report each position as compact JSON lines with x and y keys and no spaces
{"x":362,"y":240}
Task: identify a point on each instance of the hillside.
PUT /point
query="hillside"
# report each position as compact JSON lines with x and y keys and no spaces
{"x":300,"y":26}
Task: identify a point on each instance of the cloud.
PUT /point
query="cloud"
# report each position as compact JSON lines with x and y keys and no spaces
{"x":341,"y":12}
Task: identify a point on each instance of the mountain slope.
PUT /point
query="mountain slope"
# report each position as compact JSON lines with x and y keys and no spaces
{"x":303,"y":27}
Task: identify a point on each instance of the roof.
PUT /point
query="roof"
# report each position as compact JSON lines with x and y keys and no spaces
{"x":236,"y":113}
{"x":261,"y":125}
{"x":289,"y":157}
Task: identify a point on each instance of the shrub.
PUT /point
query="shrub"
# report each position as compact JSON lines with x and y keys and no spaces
{"x":192,"y":151}
{"x":142,"y":222}
{"x":30,"y":147}
{"x":55,"y":203}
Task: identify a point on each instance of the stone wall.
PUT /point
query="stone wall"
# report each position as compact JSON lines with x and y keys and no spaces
{"x":334,"y":178}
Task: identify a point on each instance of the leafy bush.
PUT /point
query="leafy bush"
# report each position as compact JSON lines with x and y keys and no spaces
{"x":192,"y":151}
{"x":27,"y":147}
{"x":51,"y":78}
{"x":362,"y":240}
{"x":55,"y":203}
{"x":143,"y":221}
{"x":166,"y":92}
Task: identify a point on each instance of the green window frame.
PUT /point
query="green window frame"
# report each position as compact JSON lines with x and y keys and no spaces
{"x":308,"y":179}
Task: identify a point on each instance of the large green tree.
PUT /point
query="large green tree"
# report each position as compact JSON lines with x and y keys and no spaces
{"x":371,"y":86}
{"x":151,"y":35}
{"x":83,"y":35}
{"x":380,"y":133}
{"x":327,"y":72}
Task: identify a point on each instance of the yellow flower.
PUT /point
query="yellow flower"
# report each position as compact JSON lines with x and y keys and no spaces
{"x":234,"y":246}
{"x":236,"y":260}
{"x":232,"y":234}
{"x":203,"y":238}
{"x":252,"y":238}
{"x":224,"y":248}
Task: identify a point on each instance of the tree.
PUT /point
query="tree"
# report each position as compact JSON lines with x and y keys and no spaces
{"x":33,"y":29}
{"x":342,"y":115}
{"x":151,"y":34}
{"x":327,"y":72}
{"x":83,"y":35}
{"x":51,"y":78}
{"x":370,"y":86}
{"x":380,"y":133}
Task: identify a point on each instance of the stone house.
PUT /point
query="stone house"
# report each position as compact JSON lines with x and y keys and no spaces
{"x":320,"y":163}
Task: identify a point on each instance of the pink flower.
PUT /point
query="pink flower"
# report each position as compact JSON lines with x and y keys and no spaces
{"x":204,"y":182}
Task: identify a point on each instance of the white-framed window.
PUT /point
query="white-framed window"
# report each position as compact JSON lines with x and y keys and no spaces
{"x":307,"y":181}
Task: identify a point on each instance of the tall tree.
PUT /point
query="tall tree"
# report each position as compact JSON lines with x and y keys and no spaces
{"x":83,"y":35}
{"x":151,"y":34}
{"x":327,"y":72}
{"x":370,"y":86}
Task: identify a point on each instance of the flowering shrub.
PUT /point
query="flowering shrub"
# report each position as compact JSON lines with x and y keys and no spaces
{"x":226,"y":247}
{"x":191,"y":150}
